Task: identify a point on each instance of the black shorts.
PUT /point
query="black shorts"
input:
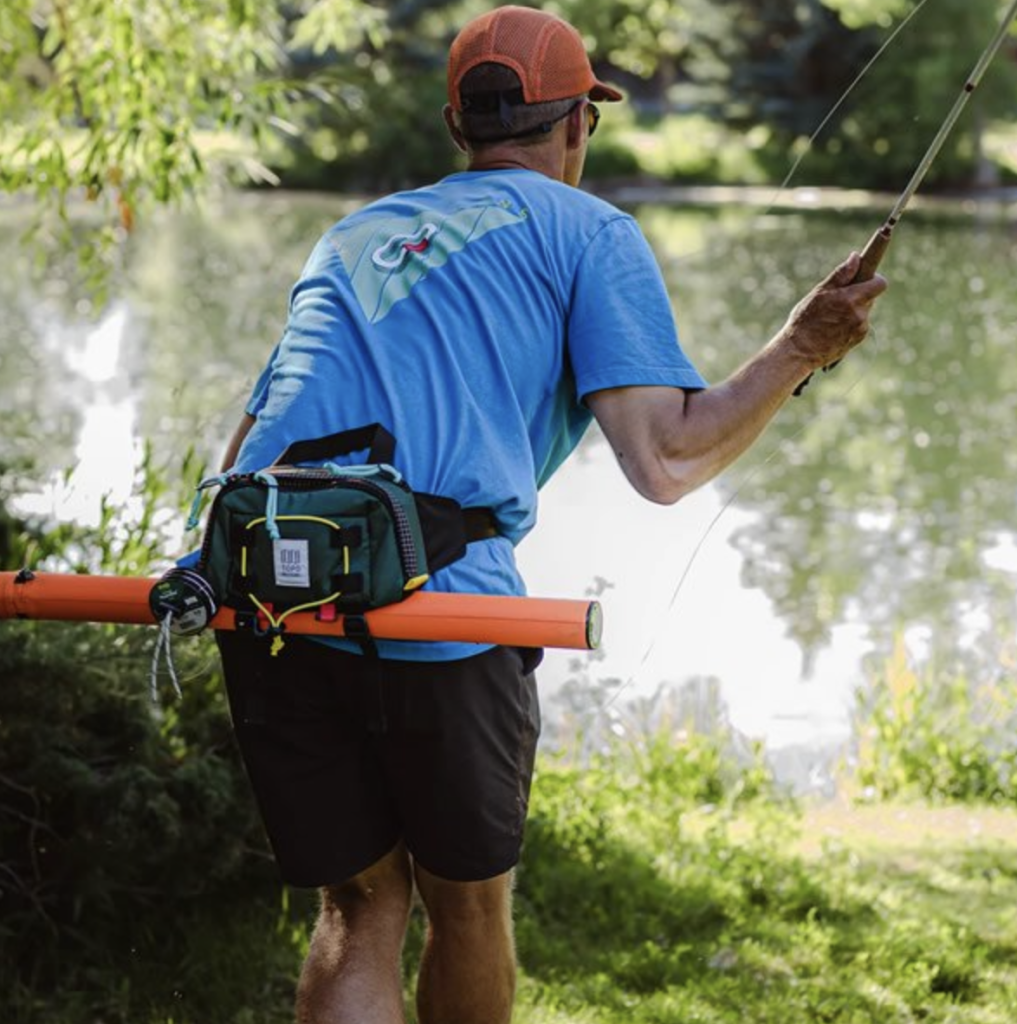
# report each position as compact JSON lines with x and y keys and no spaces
{"x":348,"y":754}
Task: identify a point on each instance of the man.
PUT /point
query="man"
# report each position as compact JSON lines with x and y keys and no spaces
{"x":484,"y":320}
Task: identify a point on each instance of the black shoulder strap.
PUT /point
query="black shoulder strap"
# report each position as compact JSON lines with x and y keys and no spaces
{"x":373,"y":438}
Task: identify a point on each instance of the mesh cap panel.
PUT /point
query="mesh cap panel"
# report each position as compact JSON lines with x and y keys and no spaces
{"x":545,"y":52}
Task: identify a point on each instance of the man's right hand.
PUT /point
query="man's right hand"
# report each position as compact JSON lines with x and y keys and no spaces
{"x":833,"y":318}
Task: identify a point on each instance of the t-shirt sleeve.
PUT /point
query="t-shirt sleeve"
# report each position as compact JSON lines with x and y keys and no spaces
{"x":621,"y":329}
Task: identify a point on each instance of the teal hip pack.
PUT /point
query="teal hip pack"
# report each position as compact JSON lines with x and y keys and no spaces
{"x":339,"y":540}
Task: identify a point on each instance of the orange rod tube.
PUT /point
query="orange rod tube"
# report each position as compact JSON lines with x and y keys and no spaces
{"x":469,"y":618}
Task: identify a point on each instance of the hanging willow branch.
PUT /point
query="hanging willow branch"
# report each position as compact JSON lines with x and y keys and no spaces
{"x":125,"y":104}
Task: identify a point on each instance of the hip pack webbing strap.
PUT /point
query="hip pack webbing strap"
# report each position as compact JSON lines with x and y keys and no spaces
{"x":447,"y":526}
{"x":374,"y":439}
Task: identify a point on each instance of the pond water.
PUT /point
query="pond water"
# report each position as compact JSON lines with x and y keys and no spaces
{"x":879,"y":508}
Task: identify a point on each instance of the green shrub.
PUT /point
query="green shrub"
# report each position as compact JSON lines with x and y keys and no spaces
{"x":692,"y":148}
{"x":936,"y":734}
{"x":131,"y":854}
{"x":115,"y":813}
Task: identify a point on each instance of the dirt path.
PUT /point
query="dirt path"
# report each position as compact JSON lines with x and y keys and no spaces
{"x":902,"y":827}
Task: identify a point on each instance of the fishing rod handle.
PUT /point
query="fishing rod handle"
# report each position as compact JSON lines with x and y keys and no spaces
{"x":872,"y":256}
{"x":873,"y":253}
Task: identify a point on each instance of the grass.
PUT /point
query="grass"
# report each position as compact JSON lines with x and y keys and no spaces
{"x":840,"y":913}
{"x":660,"y":887}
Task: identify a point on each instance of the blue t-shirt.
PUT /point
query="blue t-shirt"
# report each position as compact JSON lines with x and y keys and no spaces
{"x":470,"y":318}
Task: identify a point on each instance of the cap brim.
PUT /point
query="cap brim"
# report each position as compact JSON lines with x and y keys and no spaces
{"x":605,"y":93}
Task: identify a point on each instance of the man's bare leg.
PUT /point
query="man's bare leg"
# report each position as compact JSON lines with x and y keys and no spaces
{"x":352,"y":971}
{"x":468,"y":969}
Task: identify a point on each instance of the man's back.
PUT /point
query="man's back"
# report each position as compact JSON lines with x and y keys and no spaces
{"x":469,"y":318}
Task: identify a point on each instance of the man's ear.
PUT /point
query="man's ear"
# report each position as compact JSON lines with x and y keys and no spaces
{"x":453,"y":129}
{"x":576,"y":126}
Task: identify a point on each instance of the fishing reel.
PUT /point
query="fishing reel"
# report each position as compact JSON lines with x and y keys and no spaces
{"x":186,"y":599}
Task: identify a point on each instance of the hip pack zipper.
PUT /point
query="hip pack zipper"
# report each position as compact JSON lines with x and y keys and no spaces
{"x":312,"y":479}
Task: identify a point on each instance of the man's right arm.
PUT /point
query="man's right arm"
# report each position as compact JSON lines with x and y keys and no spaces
{"x":669,"y":441}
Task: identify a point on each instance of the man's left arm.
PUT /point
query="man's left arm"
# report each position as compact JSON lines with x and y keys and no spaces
{"x":229,"y":458}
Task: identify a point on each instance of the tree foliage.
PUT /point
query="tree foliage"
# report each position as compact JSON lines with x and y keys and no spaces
{"x":783,"y":66}
{"x":853,"y":86}
{"x":901,"y":104}
{"x":128,"y":102}
{"x":861,"y":13}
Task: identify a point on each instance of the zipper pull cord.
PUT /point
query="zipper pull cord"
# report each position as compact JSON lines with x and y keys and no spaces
{"x":271,"y":502}
{"x":371,"y":469}
{"x":199,"y":497}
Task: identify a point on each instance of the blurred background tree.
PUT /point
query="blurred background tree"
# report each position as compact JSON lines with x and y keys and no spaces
{"x":125,"y":103}
{"x":899,"y":106}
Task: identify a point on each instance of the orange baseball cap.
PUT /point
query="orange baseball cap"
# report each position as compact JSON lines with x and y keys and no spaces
{"x":546,"y":53}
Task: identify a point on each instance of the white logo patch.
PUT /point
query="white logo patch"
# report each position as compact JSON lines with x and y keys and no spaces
{"x":292,"y":563}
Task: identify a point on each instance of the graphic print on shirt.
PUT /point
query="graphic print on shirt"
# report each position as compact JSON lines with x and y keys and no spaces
{"x":399,"y":248}
{"x":386,"y":257}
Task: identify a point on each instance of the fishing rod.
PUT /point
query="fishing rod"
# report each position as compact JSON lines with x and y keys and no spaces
{"x":875,"y":250}
{"x":426,"y":615}
{"x":871,"y":257}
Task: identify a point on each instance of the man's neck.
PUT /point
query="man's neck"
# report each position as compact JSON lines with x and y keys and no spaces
{"x":546,"y":160}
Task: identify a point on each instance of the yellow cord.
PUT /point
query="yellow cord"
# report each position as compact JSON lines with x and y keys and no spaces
{"x":277,"y":622}
{"x":303,"y":519}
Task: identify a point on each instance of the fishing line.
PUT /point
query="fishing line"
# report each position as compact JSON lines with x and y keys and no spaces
{"x":840,"y":102}
{"x":870,"y":257}
{"x":751,"y":474}
{"x":811,"y":141}
{"x":740,"y":487}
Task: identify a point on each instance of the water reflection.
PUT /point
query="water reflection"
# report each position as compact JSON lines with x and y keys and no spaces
{"x":893,"y":475}
{"x":881,"y":502}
